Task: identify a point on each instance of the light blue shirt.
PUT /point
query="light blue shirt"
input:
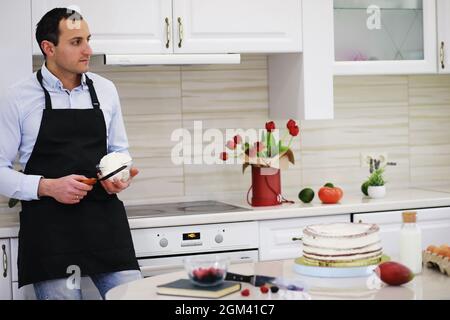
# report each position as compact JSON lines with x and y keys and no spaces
{"x":20,"y":118}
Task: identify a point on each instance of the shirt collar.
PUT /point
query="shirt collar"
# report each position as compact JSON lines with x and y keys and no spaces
{"x":51,"y":81}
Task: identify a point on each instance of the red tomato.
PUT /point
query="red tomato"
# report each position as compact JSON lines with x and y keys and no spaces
{"x":330,"y":195}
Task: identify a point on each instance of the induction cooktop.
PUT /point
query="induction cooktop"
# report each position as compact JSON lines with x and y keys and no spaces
{"x":181,"y":208}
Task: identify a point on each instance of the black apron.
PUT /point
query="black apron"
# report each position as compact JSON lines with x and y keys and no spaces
{"x":93,"y":234}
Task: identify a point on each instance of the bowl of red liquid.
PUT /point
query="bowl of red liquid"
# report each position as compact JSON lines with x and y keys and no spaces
{"x":206,"y":271}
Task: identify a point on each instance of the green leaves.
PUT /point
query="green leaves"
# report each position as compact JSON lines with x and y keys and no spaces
{"x":290,"y":156}
{"x":270,"y":150}
{"x":272,"y":145}
{"x":376,"y":178}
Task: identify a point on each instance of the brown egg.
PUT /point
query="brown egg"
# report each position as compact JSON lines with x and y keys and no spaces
{"x":431,"y":248}
{"x":442,"y":250}
{"x":447,"y":253}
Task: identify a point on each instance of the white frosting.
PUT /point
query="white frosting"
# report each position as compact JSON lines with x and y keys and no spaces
{"x":341,"y":241}
{"x":341,"y":229}
{"x":346,"y":258}
{"x":114,"y":161}
{"x":340,"y":252}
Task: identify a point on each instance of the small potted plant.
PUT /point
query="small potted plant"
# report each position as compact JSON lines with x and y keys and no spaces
{"x":376,"y":184}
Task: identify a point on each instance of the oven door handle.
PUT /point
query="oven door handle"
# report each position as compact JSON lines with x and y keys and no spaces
{"x":160,"y":269}
{"x":154,"y":266}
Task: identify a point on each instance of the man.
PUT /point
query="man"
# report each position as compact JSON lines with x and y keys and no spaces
{"x":62,"y":121}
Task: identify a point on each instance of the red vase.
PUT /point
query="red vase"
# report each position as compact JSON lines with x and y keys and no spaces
{"x":266,"y":187}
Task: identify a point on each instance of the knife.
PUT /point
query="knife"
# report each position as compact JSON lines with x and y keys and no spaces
{"x":109,"y":175}
{"x":256,"y":280}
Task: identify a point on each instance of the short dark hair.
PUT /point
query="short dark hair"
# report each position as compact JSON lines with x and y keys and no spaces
{"x":48,"y":27}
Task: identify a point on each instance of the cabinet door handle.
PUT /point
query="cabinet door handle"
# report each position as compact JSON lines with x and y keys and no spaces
{"x":167,"y":32}
{"x":442,"y":55}
{"x":180,"y":32}
{"x":5,"y":262}
{"x":297,"y":239}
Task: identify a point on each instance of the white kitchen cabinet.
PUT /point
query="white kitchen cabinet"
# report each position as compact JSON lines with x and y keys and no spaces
{"x":5,"y":271}
{"x":25,"y":292}
{"x":137,"y":26}
{"x":14,"y":253}
{"x":17,"y":294}
{"x":281,"y":238}
{"x":196,"y":26}
{"x":219,"y":26}
{"x":385,"y":36}
{"x":434,"y":223}
{"x":301,"y":84}
{"x":15,"y":56}
{"x":443,"y":43}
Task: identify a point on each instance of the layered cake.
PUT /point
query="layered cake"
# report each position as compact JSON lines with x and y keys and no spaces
{"x":341,"y":244}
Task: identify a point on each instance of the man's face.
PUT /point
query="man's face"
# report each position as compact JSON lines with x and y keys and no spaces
{"x":73,"y":51}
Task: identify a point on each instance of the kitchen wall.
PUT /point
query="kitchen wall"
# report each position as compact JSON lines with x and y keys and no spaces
{"x":405,"y":116}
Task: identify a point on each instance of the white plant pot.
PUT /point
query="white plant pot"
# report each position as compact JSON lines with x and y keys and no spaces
{"x":376,"y":192}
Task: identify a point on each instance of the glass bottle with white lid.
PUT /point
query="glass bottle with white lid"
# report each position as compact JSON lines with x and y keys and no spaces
{"x":411,"y":242}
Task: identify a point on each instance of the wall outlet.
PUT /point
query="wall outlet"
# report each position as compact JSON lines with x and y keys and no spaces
{"x":366,"y":156}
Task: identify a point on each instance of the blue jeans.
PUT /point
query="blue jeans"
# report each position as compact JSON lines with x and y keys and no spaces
{"x":58,"y":289}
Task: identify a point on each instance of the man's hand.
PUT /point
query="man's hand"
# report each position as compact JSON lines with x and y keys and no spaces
{"x":67,"y":190}
{"x":117,"y":185}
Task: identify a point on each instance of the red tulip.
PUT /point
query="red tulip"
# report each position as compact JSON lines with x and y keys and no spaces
{"x":231,"y":145}
{"x":223,"y":156}
{"x":291,"y":123}
{"x":237,"y":139}
{"x":270,"y":126}
{"x":293,"y":131}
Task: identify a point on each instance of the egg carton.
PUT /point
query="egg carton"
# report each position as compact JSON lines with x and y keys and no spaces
{"x":432,"y":260}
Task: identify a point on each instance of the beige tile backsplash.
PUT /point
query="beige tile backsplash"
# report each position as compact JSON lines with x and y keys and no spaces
{"x":407,"y":117}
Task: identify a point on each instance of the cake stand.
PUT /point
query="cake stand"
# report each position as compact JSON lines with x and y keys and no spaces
{"x":302,"y":268}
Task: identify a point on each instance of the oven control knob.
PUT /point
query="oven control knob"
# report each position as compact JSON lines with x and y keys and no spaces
{"x":163,"y":242}
{"x":218,"y":238}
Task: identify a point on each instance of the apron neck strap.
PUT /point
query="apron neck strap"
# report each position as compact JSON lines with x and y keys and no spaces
{"x":48,"y":101}
{"x":89,"y":82}
{"x":94,"y":99}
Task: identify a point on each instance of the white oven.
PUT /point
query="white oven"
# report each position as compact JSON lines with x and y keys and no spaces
{"x":162,"y":250}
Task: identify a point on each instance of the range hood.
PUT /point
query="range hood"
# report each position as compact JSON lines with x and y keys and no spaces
{"x":171,"y":59}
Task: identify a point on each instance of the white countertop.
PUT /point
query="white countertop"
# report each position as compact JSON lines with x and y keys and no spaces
{"x":430,"y":284}
{"x":351,"y":203}
{"x":399,"y":199}
{"x":9,"y":224}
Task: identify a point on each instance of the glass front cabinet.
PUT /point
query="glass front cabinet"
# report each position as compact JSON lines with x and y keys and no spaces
{"x":385,"y":37}
{"x":443,"y":16}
